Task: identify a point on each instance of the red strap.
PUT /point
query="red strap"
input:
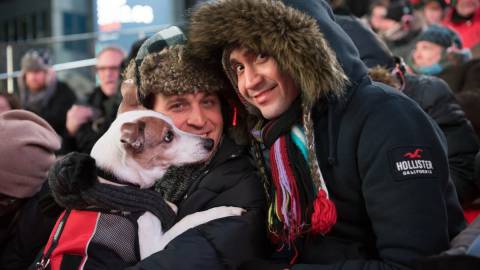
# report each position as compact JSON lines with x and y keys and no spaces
{"x":77,"y":233}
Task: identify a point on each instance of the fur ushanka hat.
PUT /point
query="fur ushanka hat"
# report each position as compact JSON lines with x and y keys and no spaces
{"x":173,"y":72}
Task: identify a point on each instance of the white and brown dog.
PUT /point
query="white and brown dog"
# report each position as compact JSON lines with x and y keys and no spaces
{"x":138,"y":148}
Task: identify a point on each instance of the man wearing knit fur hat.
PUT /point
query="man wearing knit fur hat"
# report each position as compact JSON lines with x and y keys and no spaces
{"x":357,"y":174}
{"x":166,"y":79}
{"x":41,"y":92}
{"x":28,"y":150}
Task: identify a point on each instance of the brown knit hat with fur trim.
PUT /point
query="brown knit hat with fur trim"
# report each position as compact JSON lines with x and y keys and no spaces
{"x":173,"y":72}
{"x":28,"y":145}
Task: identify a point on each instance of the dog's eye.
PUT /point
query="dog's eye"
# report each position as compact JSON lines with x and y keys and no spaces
{"x":168,"y":137}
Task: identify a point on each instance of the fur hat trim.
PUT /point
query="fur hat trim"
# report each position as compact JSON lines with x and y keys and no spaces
{"x":266,"y":26}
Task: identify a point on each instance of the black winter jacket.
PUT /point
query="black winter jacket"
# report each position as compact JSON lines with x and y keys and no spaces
{"x":24,"y":235}
{"x":435,"y":98}
{"x":387,"y":217}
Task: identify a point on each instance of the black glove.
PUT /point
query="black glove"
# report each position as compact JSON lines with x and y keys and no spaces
{"x":69,"y":177}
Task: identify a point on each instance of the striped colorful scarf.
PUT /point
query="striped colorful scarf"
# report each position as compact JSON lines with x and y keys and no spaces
{"x":299,"y":200}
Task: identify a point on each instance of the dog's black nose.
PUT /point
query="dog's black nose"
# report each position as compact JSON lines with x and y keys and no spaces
{"x":208,"y":144}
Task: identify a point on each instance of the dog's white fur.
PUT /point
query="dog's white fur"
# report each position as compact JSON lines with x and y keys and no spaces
{"x":110,"y":155}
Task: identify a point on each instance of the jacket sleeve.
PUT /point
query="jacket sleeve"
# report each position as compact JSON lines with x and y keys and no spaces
{"x":223,"y":243}
{"x":461,"y":138}
{"x":30,"y":235}
{"x":410,"y":214}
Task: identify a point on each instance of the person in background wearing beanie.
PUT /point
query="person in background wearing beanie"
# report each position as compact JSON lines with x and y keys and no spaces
{"x":464,"y":18}
{"x":336,"y":152}
{"x":397,"y":24}
{"x":27,"y":152}
{"x":168,"y":80}
{"x":87,"y":123}
{"x":439,"y":52}
{"x":42,"y":93}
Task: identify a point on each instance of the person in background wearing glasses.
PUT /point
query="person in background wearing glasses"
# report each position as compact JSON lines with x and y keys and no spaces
{"x":86,"y":123}
{"x":25,"y":223}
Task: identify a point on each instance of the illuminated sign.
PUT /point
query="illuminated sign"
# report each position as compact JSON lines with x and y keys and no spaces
{"x":112,"y":13}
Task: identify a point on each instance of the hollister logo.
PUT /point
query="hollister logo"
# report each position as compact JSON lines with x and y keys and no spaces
{"x":415,"y":154}
{"x":412,"y":162}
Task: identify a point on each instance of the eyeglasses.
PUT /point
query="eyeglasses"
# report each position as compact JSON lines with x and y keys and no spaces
{"x":105,"y":68}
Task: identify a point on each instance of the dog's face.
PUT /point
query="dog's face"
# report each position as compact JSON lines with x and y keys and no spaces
{"x":140,"y":145}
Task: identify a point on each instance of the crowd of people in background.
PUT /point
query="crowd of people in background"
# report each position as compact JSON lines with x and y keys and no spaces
{"x":315,"y":108}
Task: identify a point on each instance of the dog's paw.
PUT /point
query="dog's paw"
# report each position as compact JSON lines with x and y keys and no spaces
{"x":70,"y":176}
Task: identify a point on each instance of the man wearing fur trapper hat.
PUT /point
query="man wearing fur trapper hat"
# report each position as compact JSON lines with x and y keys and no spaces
{"x":166,"y":79}
{"x":357,"y":174}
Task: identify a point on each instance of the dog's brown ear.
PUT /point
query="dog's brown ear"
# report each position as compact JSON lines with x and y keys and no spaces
{"x":130,"y":100}
{"x":132,"y":135}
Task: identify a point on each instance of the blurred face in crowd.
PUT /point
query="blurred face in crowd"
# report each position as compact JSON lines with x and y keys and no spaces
{"x":433,"y":13}
{"x":4,"y":105}
{"x":426,"y":53}
{"x":261,"y":82}
{"x":108,"y":70}
{"x":198,"y":113}
{"x":467,"y":7}
{"x":378,"y":21}
{"x":36,"y":80}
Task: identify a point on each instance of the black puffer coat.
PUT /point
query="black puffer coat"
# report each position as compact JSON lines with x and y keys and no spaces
{"x":229,"y":180}
{"x":435,"y":98}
